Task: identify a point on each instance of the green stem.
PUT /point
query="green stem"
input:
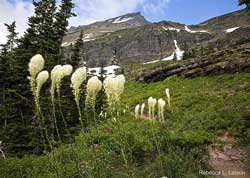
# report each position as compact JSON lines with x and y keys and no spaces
{"x":93,"y":109}
{"x":42,"y":118}
{"x":157,"y":145}
{"x":55,"y":119}
{"x":121,"y":129}
{"x":62,"y":115}
{"x":79,"y":112}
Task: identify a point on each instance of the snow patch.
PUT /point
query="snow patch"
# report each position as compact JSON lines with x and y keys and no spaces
{"x":178,"y":51}
{"x":151,"y":62}
{"x":68,"y":43}
{"x":106,"y":31}
{"x":171,"y":29}
{"x":108,"y":70}
{"x":231,"y":29}
{"x":87,"y":37}
{"x":111,"y":69}
{"x":179,"y":55}
{"x":121,"y":20}
{"x":192,"y":31}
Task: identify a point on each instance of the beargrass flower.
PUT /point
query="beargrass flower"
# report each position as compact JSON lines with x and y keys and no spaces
{"x":94,"y":85}
{"x":41,"y":78}
{"x":114,"y":87}
{"x":168,"y":96}
{"x":137,"y":109}
{"x":36,"y":64}
{"x":77,"y":79}
{"x":151,"y":105}
{"x":119,"y":86}
{"x":62,"y":72}
{"x":142,"y":109}
{"x":161,"y":108}
{"x":56,"y":75}
{"x":108,"y":86}
{"x":67,"y":70}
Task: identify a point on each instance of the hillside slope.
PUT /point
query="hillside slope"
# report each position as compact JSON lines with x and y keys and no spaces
{"x":149,"y":42}
{"x":202,"y":109}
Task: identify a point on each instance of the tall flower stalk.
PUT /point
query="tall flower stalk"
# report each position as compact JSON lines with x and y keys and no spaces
{"x":168,"y":96}
{"x":114,"y":87}
{"x":66,"y":71}
{"x":142,"y":109}
{"x":42,"y":77}
{"x":77,"y":79}
{"x":94,"y":85}
{"x":151,"y":108}
{"x":56,"y":75}
{"x":35,"y":65}
{"x":137,"y":110}
{"x":161,"y":108}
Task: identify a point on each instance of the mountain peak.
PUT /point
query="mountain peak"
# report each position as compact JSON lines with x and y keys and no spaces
{"x":134,"y":19}
{"x":129,"y":20}
{"x":101,"y":28}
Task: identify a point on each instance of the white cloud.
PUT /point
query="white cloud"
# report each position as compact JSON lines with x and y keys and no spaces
{"x":154,"y":7}
{"x":14,"y":10}
{"x":89,"y":11}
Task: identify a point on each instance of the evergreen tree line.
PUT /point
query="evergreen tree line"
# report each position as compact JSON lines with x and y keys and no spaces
{"x":46,"y":29}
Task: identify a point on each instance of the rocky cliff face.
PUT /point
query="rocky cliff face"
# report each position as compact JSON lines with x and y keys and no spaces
{"x":227,"y":54}
{"x":132,"y":39}
{"x":138,"y":45}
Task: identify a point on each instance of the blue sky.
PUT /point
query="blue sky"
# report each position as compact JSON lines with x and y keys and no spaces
{"x":194,"y":11}
{"x":88,"y":11}
{"x":184,"y":11}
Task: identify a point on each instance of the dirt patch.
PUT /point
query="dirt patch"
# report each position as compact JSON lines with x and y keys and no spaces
{"x":230,"y":160}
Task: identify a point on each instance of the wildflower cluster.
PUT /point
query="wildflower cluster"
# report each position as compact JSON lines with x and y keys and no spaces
{"x":161,"y":104}
{"x":36,"y":64}
{"x":77,"y":79}
{"x":114,"y":87}
{"x":94,"y":85}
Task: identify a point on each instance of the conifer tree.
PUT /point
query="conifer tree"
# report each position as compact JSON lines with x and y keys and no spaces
{"x":77,"y":51}
{"x":245,"y":2}
{"x":62,"y":16}
{"x":40,"y":37}
{"x":12,"y":36}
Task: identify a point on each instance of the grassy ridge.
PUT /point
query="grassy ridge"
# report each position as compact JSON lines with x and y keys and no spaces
{"x":201,"y":110}
{"x":211,"y":104}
